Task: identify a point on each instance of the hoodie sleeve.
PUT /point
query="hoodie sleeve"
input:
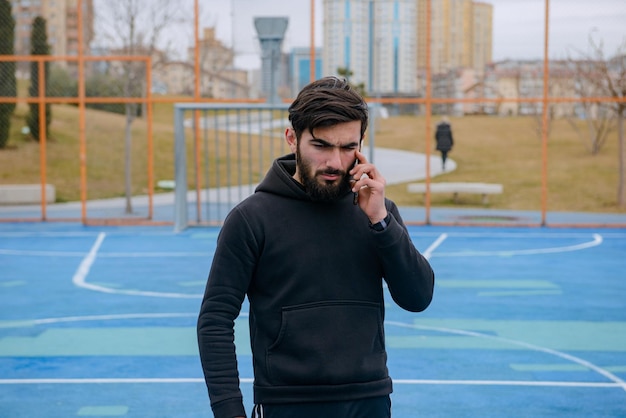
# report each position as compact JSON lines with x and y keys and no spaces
{"x":408,"y":274}
{"x":226,"y":287}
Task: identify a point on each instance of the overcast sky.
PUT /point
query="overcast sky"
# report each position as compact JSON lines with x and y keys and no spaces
{"x":518,"y":25}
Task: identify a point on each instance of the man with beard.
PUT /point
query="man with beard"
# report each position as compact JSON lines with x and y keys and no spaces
{"x":310,"y":249}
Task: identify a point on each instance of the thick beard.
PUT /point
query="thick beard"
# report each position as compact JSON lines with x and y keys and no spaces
{"x":326,"y":191}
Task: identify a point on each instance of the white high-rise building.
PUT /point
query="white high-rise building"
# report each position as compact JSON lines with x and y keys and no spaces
{"x":382,"y":43}
{"x":375,"y":40}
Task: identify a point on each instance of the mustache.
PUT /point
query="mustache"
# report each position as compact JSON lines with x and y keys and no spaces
{"x":331,"y":171}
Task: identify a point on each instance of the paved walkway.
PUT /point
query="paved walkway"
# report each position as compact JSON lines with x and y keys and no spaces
{"x":402,"y":166}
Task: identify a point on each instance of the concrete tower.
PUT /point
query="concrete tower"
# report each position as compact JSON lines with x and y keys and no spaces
{"x":271,"y":31}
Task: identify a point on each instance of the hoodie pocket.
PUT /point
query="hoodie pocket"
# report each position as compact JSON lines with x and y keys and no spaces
{"x":328,"y":343}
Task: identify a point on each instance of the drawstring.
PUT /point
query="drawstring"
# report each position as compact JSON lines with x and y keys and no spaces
{"x":257,"y":411}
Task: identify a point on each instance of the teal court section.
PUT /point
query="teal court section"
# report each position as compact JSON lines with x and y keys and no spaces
{"x":107,"y":341}
{"x":103,"y":411}
{"x":100,"y":322}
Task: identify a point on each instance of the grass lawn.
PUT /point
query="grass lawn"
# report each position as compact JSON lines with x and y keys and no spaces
{"x":508,"y":151}
{"x":487,"y":149}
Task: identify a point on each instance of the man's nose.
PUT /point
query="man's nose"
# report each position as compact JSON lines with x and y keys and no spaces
{"x":333,"y":159}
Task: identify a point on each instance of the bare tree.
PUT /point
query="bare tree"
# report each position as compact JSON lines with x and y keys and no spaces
{"x":600,"y":77}
{"x":138,"y":27}
{"x":598,"y":117}
{"x":560,"y":84}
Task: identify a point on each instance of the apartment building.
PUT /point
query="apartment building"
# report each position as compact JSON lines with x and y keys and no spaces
{"x":461,"y":34}
{"x":347,"y":36}
{"x":482,"y":36}
{"x":213,"y":54}
{"x":523,"y":79}
{"x":375,"y":40}
{"x":219,"y":77}
{"x":61,"y":23}
{"x":300,"y":68}
{"x":457,"y":83}
{"x":507,"y":84}
{"x":383,"y":42}
{"x":177,"y":78}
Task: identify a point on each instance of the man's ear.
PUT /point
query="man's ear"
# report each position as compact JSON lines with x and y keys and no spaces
{"x":290,"y":137}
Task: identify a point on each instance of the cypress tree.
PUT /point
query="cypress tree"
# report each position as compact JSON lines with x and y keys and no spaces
{"x":39,"y":46}
{"x":8,"y":85}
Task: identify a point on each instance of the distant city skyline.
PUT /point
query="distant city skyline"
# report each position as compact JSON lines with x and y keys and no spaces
{"x":518,"y":26}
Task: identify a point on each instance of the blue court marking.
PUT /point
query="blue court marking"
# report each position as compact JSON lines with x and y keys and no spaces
{"x":525,"y":322}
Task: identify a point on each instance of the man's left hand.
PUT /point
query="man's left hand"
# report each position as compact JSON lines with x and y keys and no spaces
{"x":370,"y":186}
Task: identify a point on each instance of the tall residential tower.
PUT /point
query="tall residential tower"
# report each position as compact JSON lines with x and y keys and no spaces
{"x":375,"y":40}
{"x":382,"y":43}
{"x":461,"y":35}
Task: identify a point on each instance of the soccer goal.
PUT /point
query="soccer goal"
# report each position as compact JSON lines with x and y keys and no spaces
{"x":222,"y":151}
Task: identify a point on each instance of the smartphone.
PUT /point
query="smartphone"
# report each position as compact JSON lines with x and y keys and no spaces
{"x":355,"y":199}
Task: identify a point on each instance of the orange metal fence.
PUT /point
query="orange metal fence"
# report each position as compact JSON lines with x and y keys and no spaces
{"x":149,"y":101}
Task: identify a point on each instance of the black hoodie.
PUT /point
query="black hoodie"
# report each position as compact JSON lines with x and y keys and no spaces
{"x":313,"y":274}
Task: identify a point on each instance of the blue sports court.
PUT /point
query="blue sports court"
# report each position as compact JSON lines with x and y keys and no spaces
{"x":526,"y":322}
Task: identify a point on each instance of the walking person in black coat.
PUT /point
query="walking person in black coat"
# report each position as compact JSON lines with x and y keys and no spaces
{"x":444,"y":139}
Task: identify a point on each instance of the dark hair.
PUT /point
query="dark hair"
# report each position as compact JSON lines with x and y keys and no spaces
{"x":327,"y":102}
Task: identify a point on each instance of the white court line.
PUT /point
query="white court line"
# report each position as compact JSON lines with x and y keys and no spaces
{"x":80,"y":278}
{"x":617,"y":381}
{"x":154,"y":254}
{"x":434,"y":245}
{"x":131,"y":380}
{"x":506,"y":383}
{"x":63,"y":234}
{"x":530,"y":235}
{"x":85,"y":265}
{"x":4,"y":251}
{"x":30,"y":234}
{"x":452,"y":232}
{"x":597,"y":240}
{"x":101,"y":380}
{"x":31,"y":322}
{"x":146,"y":293}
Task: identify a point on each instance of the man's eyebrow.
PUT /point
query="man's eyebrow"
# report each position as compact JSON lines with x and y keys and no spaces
{"x":328,"y":144}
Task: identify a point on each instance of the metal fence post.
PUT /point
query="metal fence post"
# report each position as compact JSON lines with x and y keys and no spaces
{"x":180,"y":171}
